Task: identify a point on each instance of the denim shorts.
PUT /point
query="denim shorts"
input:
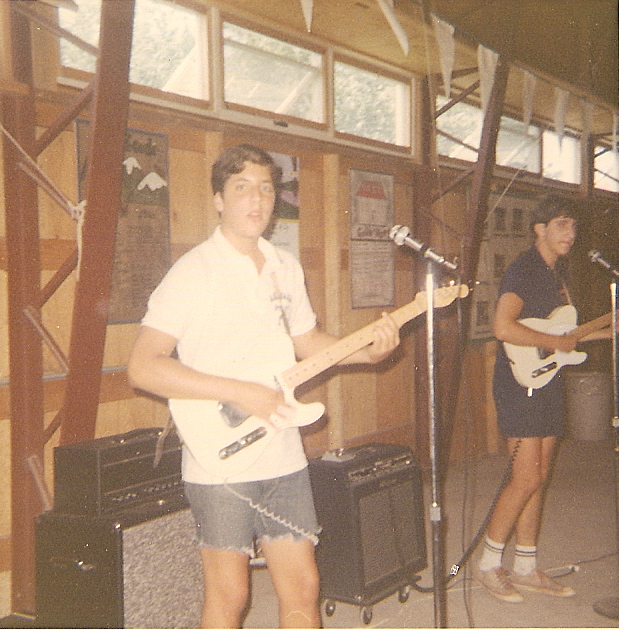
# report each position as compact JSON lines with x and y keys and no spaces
{"x":232,"y":516}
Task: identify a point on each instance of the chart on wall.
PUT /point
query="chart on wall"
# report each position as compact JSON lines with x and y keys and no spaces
{"x":506,"y":235}
{"x":372,"y":257}
{"x":142,"y":250}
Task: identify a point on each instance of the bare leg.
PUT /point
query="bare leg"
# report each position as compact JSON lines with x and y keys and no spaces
{"x":293,"y":570}
{"x":226,"y":587}
{"x":527,"y":526}
{"x":519,"y":505}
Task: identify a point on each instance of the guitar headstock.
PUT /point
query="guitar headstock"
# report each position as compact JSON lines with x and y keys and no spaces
{"x":446,"y":295}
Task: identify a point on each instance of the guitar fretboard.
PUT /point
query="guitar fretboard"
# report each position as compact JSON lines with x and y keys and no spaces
{"x":314,"y":365}
{"x":595,"y":324}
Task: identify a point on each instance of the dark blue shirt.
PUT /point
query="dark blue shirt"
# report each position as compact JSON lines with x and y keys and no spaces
{"x":537,"y":285}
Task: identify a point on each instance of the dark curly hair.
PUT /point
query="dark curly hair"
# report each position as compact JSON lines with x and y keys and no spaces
{"x":232,"y":161}
{"x":553,"y":206}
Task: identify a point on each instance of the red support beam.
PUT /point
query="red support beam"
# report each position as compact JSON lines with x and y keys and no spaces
{"x":103,"y":193}
{"x":449,"y":352}
{"x":25,"y":348}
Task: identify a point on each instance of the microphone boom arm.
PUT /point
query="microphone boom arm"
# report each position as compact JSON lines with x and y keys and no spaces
{"x":400,"y":235}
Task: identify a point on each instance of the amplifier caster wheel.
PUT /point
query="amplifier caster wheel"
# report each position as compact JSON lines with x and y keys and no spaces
{"x":403,"y":594}
{"x":329,"y":608}
{"x":366,"y":615}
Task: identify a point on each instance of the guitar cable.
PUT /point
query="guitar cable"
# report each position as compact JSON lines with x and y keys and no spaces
{"x":504,"y":481}
{"x":265,"y":511}
{"x":482,"y":528}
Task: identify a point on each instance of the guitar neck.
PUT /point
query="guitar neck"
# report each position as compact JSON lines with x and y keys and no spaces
{"x":338,"y":351}
{"x":595,"y":324}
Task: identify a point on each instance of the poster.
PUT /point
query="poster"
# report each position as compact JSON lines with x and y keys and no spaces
{"x":142,"y":250}
{"x":285,"y":230}
{"x":372,"y":254}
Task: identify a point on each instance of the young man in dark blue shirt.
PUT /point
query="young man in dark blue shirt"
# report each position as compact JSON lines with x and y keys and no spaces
{"x":530,"y":419}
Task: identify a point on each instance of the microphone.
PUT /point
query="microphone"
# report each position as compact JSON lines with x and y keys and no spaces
{"x":400,"y":235}
{"x":596,"y":256}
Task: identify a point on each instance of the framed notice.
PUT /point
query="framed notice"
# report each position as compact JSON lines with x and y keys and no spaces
{"x":372,"y":256}
{"x":142,"y":251}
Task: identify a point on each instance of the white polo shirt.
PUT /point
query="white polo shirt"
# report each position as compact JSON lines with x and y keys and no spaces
{"x":214,"y":301}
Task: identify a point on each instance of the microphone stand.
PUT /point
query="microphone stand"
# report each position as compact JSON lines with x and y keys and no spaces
{"x":435,"y":508}
{"x":401,"y":236}
{"x":609,"y":607}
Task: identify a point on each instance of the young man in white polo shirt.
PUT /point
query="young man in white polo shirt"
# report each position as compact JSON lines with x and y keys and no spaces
{"x":227,"y":307}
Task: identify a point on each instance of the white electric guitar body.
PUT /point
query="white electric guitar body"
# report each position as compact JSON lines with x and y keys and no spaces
{"x":220,"y":434}
{"x":535,"y":367}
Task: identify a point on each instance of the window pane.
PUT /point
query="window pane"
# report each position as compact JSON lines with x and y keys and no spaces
{"x":272,"y":75}
{"x":371,"y":105}
{"x":461,"y":127}
{"x":518,"y":147}
{"x":561,"y":159}
{"x":167,"y":51}
{"x":606,"y":169}
{"x":83,"y":23}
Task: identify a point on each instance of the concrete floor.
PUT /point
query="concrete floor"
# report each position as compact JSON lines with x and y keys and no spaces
{"x":579,"y":529}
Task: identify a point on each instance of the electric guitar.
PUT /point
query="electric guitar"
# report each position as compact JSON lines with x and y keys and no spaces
{"x":535,"y":367}
{"x":219,"y":433}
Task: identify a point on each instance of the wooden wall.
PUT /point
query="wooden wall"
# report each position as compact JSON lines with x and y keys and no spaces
{"x":364,"y":404}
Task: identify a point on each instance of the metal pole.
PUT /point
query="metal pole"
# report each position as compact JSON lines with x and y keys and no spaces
{"x":435,"y":508}
{"x":609,"y":607}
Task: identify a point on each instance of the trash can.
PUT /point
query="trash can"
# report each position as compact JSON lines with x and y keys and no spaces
{"x":589,"y":405}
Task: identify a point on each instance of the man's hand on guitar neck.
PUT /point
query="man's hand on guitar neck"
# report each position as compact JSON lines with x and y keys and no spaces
{"x":386,"y":339}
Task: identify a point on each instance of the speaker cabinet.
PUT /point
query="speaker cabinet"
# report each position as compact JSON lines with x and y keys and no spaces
{"x":137,"y":569}
{"x":369,"y":503}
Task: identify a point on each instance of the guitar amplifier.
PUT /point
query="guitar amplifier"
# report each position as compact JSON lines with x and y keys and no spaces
{"x":104,"y":475}
{"x":369,"y":502}
{"x":137,"y":568}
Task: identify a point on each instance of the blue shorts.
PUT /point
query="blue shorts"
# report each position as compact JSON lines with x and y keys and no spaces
{"x":232,"y":516}
{"x":540,"y":415}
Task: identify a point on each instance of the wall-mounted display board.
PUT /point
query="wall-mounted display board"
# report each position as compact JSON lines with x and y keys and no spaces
{"x":142,"y":251}
{"x":285,"y":230}
{"x":372,"y":254}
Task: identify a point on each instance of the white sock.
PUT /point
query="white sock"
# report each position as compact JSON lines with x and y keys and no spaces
{"x":525,"y":560}
{"x":492,"y":555}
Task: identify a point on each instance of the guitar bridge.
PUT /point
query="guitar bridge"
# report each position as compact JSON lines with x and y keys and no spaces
{"x":244,"y":442}
{"x":544,"y":369}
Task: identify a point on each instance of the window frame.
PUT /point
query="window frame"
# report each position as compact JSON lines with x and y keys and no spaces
{"x":281,"y":119}
{"x":408,"y":81}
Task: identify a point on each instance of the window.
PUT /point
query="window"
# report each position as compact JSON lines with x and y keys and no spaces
{"x":372,"y":105}
{"x":272,"y":75}
{"x":459,"y":135}
{"x":606,"y":164}
{"x":168,"y":50}
{"x":458,"y":130}
{"x":518,"y":147}
{"x":561,"y":159}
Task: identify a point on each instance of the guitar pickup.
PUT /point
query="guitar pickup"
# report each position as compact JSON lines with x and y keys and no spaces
{"x":544,"y":369}
{"x":232,"y":415}
{"x":244,"y":442}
